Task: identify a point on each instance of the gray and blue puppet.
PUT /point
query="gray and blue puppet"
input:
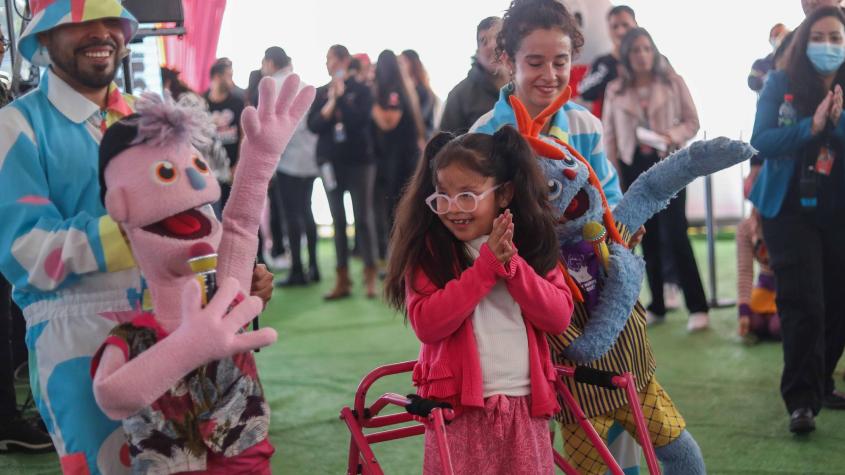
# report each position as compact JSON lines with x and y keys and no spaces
{"x":608,"y":329}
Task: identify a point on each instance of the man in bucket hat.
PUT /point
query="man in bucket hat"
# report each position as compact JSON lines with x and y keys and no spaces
{"x":72,"y":272}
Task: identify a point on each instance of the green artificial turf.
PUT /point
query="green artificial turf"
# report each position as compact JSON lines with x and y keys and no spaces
{"x":727,"y":392}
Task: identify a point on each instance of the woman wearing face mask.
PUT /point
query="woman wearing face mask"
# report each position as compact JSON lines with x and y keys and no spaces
{"x":800,"y":193}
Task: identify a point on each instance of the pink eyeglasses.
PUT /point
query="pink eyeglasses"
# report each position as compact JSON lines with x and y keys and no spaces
{"x":466,"y":201}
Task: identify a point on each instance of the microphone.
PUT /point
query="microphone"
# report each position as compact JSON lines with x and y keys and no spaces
{"x":203,"y":262}
{"x":596,"y":234}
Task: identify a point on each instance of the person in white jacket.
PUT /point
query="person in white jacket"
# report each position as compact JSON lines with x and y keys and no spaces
{"x":295,"y":176}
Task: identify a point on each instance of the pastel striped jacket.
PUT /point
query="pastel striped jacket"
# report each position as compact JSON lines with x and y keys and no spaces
{"x":55,"y":230}
{"x":574,"y":125}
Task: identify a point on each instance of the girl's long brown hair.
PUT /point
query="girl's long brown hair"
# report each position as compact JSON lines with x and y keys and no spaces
{"x":419,"y":240}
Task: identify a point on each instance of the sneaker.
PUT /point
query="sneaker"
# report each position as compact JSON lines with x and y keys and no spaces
{"x":652,"y":318}
{"x":267,"y":257}
{"x":276,"y":263}
{"x":21,"y":374}
{"x":19,"y":435}
{"x":698,"y":321}
{"x":281,"y":262}
{"x":672,"y":296}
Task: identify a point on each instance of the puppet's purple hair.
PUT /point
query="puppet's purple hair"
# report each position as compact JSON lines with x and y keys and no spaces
{"x":162,"y":121}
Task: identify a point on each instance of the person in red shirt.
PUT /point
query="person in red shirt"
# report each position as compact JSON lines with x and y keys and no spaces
{"x":474,"y":264}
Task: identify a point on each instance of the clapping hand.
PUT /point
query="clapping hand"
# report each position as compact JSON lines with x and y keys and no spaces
{"x":836,"y":105}
{"x":337,"y":87}
{"x":822,"y":114}
{"x":500,"y":241}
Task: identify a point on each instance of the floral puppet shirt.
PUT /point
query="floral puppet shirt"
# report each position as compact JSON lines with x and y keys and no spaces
{"x":219,"y":408}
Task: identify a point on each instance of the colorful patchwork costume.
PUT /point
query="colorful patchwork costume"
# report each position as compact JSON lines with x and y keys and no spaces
{"x":72,"y":272}
{"x":608,"y":330}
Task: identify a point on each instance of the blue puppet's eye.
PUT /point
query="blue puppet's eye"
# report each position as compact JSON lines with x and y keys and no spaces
{"x":555,"y":189}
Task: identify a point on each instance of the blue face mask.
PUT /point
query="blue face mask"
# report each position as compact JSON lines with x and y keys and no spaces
{"x":826,"y":57}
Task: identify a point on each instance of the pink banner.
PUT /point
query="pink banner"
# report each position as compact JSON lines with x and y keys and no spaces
{"x":194,"y":53}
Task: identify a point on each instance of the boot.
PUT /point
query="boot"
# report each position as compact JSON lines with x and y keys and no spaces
{"x":342,"y":285}
{"x":313,"y":272}
{"x":296,"y":278}
{"x":370,"y":281}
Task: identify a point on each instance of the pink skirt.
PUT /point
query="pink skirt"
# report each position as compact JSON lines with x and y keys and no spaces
{"x":502,"y":438}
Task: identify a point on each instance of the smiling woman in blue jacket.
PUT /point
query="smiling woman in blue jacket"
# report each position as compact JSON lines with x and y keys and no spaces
{"x":800,"y":129}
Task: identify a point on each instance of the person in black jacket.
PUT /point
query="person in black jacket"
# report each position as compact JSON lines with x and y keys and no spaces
{"x":399,"y":130}
{"x":761,"y":67}
{"x":476,"y":94}
{"x":340,"y":116}
{"x":620,"y":19}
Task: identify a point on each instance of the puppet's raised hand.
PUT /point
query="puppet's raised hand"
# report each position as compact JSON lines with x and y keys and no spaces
{"x":122,"y":388}
{"x":618,"y":297}
{"x":267,"y":131}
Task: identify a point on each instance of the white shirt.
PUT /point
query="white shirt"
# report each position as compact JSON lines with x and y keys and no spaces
{"x":501,"y":338}
{"x":300,"y":157}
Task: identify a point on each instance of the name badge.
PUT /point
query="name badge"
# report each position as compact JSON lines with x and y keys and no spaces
{"x":824,"y":164}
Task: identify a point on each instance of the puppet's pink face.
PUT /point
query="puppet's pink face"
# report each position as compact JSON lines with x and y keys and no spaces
{"x":161,"y":197}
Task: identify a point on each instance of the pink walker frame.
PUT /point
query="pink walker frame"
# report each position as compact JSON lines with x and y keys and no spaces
{"x":362,"y":459}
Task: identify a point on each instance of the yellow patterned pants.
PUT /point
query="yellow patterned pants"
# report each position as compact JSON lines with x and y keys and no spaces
{"x":662,"y":418}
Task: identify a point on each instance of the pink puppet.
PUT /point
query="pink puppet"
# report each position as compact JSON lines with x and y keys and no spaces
{"x":182,"y":378}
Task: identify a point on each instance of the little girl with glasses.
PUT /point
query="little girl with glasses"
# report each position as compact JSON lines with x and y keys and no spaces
{"x":475,"y":267}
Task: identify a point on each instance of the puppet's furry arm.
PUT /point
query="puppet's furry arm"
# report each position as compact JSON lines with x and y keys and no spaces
{"x":652,"y":191}
{"x":267,"y":131}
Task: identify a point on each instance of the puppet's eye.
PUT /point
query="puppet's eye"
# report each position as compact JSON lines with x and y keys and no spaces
{"x":555,"y":189}
{"x":568,"y":160}
{"x":164,"y":172}
{"x":200,"y":165}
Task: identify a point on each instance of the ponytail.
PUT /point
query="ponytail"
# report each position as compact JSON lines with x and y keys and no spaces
{"x":418,"y":239}
{"x":510,"y":148}
{"x":434,"y":146}
{"x":534,"y":219}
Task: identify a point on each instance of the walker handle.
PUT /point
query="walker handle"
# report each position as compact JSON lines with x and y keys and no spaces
{"x":422,"y":407}
{"x":597,"y":377}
